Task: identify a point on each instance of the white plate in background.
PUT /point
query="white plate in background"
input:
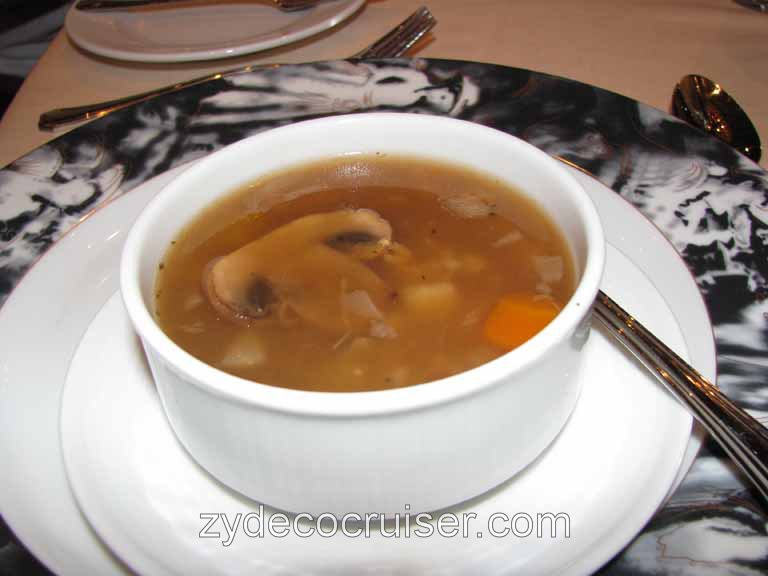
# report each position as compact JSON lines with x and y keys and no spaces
{"x":199,"y":30}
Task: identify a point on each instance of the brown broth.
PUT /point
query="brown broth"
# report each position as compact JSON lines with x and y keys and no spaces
{"x":470,"y":242}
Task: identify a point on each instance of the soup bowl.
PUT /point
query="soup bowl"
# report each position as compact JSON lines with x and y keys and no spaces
{"x":413,"y":449}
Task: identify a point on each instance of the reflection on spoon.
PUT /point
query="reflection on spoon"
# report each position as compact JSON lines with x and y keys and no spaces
{"x":759,"y":5}
{"x":703,"y":103}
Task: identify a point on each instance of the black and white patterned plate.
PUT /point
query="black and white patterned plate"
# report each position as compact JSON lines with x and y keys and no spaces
{"x":708,"y":200}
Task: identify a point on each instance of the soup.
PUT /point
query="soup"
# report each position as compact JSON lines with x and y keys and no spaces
{"x":365,"y":272}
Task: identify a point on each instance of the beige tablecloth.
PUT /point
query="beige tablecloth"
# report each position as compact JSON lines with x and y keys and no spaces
{"x":639,"y":49}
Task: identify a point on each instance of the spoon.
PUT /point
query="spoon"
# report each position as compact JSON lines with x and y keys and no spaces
{"x":759,"y":5}
{"x":703,"y":103}
{"x":742,"y":437}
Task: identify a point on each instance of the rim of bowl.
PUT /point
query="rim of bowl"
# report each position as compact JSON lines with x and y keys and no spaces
{"x":362,"y":403}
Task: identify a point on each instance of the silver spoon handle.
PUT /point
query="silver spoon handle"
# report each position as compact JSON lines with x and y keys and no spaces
{"x":394,"y":43}
{"x":742,"y":437}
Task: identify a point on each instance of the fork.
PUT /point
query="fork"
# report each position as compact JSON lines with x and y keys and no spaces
{"x":96,"y":5}
{"x":394,"y":43}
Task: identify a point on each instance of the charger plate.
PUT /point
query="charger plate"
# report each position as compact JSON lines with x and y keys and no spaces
{"x":708,"y":200}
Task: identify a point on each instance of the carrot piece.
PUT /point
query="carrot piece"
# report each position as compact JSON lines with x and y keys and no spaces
{"x":518,"y":317}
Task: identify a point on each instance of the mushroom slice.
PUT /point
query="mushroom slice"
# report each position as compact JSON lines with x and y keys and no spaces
{"x":297,"y":264}
{"x":316,"y":288}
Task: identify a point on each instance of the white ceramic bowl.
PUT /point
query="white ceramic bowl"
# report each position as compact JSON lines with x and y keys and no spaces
{"x":419,"y":448}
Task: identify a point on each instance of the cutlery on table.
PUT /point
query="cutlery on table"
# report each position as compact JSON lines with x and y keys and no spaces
{"x":742,"y":437}
{"x":703,"y":103}
{"x":759,"y":5}
{"x":97,"y":5}
{"x":393,"y":44}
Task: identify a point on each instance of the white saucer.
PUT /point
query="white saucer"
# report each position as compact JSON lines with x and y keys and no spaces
{"x":616,"y":460}
{"x":44,"y":319}
{"x":199,"y":32}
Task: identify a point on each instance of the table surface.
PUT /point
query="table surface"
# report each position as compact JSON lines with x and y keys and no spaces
{"x":639,"y":49}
